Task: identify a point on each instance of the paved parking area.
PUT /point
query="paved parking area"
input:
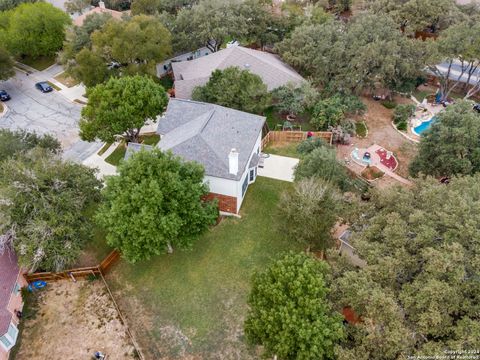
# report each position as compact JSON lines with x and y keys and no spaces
{"x":278,"y":167}
{"x":31,"y":110}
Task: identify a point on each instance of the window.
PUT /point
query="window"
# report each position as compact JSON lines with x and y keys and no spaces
{"x":244,"y":186}
{"x":252,"y":175}
{"x":9,"y":339}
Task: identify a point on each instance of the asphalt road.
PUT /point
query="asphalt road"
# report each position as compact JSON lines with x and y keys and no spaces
{"x":32,"y":110}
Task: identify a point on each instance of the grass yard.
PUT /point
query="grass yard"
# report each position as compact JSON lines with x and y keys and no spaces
{"x":274,"y":118}
{"x":191,"y":305}
{"x":66,"y":80}
{"x":361,"y":129}
{"x":53,"y":86}
{"x":1,"y":108}
{"x":119,"y":153}
{"x":40,"y":63}
{"x":282,"y":148}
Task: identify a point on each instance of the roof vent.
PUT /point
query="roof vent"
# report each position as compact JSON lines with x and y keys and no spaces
{"x":247,"y":66}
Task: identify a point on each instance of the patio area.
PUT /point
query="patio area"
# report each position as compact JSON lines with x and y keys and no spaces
{"x":379,"y":157}
{"x":278,"y":167}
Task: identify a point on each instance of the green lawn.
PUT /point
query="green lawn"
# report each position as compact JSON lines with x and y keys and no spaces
{"x":274,"y":118}
{"x":361,"y":129}
{"x":194,"y":302}
{"x":119,"y":153}
{"x":421,"y":94}
{"x":40,"y":63}
{"x":283,"y":149}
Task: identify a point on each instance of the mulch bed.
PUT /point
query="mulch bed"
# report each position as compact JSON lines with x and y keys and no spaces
{"x":390,"y":163}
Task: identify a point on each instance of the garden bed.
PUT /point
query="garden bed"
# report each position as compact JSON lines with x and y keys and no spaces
{"x":372,"y":173}
{"x":361,"y":129}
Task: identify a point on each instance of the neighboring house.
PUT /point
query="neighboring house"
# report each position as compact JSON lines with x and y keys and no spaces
{"x":166,"y":66}
{"x":101,"y":9}
{"x":225,"y":141}
{"x":273,"y":71}
{"x":11,"y":281}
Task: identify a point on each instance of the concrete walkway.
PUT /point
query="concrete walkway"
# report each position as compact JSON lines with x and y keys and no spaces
{"x":98,"y":161}
{"x":278,"y":167}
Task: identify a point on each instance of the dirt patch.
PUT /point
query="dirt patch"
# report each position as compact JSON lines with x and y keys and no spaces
{"x":381,"y":132}
{"x":73,"y":321}
{"x":372,"y":173}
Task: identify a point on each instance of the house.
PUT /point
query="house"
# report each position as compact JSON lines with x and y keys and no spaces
{"x":225,"y":141}
{"x":101,"y":9}
{"x":273,"y":71}
{"x":11,"y":281}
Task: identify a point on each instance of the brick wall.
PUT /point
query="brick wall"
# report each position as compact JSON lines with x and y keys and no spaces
{"x":225,"y":203}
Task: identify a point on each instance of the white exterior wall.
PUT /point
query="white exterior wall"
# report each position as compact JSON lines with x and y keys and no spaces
{"x":231,"y":187}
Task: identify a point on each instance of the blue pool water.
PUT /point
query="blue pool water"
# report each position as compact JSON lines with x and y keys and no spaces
{"x":424,"y":126}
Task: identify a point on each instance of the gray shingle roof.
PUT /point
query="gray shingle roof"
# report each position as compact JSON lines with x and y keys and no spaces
{"x":273,"y":71}
{"x":206,"y":133}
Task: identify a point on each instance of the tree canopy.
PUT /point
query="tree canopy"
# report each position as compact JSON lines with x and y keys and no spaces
{"x":44,"y":204}
{"x":6,"y":65}
{"x":234,"y":88}
{"x":452,"y":145}
{"x":310,"y":211}
{"x":101,"y":49}
{"x":155,"y":205}
{"x":366,"y":54}
{"x":290,"y":314}
{"x":418,"y":293}
{"x":121,"y":107}
{"x":33,"y":29}
{"x":13,"y":143}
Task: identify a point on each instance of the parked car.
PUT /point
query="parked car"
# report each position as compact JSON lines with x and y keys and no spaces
{"x":4,"y":95}
{"x":43,"y":87}
{"x":476,"y":107}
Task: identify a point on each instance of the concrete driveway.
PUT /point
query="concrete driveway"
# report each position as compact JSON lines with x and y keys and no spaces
{"x":278,"y":167}
{"x":31,"y":110}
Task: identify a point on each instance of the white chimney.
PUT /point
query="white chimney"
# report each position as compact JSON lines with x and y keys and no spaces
{"x":233,"y":162}
{"x":101,"y":4}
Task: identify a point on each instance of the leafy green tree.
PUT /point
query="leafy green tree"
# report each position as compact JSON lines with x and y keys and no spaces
{"x":293,"y":99}
{"x":418,"y":292}
{"x":452,"y":144}
{"x":44,"y":203}
{"x":89,"y":68}
{"x":310,"y":211}
{"x":76,"y":6}
{"x":154,"y":205}
{"x":79,"y":37}
{"x":209,"y":23}
{"x":101,"y":49}
{"x":234,"y":88}
{"x":121,"y":107}
{"x":10,"y":4}
{"x":328,"y":112}
{"x":33,"y":29}
{"x":322,"y":163}
{"x":13,"y":143}
{"x":6,"y":65}
{"x":307,"y":146}
{"x":290,"y":314}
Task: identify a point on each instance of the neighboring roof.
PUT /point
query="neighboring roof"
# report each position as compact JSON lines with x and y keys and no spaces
{"x":273,"y":71}
{"x":206,"y":133}
{"x":9,"y":272}
{"x":97,"y":10}
{"x":135,"y":147}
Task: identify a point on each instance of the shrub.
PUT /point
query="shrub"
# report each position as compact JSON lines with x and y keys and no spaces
{"x":322,"y":163}
{"x":402,"y":126}
{"x":402,"y":113}
{"x":307,"y":146}
{"x":389,"y":104}
{"x":361,"y":129}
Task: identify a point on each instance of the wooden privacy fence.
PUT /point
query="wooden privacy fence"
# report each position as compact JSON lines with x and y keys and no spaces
{"x":72,"y":274}
{"x":294,"y":136}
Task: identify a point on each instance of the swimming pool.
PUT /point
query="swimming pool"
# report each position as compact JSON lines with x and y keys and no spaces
{"x":425,"y":125}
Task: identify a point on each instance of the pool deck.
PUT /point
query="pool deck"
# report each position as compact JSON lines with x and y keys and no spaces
{"x":376,"y":160}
